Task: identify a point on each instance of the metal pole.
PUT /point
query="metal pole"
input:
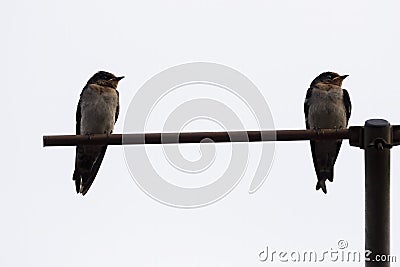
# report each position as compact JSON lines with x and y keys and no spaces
{"x":377,"y":133}
{"x":196,"y":137}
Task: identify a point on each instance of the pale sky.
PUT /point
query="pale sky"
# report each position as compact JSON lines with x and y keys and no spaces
{"x":50,"y":49}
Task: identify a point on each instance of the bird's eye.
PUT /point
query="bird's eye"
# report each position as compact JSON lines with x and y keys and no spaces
{"x":329,"y":77}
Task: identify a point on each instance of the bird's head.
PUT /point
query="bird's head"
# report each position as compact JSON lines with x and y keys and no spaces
{"x":327,"y":79}
{"x":104,"y":78}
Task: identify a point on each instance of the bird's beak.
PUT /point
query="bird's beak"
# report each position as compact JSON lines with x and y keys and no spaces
{"x":118,"y":78}
{"x":338,"y":80}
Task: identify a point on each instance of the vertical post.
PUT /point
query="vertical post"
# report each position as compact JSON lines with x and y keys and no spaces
{"x":377,"y":133}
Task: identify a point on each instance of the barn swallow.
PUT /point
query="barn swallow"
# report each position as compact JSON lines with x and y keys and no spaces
{"x":327,"y":106}
{"x":97,"y":112}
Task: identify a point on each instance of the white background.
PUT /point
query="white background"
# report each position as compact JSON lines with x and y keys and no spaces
{"x":49,"y":49}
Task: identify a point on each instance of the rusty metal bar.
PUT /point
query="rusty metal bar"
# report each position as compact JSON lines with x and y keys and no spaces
{"x":196,"y":137}
{"x":377,"y":133}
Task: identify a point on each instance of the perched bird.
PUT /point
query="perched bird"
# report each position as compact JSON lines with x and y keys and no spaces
{"x":97,"y":112}
{"x":327,"y":106}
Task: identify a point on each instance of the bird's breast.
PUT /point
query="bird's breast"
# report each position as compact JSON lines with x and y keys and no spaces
{"x":98,"y":108}
{"x":327,"y":110}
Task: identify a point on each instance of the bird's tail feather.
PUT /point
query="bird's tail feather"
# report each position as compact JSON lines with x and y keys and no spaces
{"x":326,"y":174}
{"x":321,"y":185}
{"x":323,"y":175}
{"x":77,"y":178}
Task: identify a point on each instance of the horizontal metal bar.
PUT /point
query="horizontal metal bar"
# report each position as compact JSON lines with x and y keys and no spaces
{"x":196,"y":137}
{"x":396,"y":133}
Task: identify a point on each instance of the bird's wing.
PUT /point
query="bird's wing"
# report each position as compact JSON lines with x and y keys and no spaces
{"x":117,"y":110}
{"x":76,"y":176}
{"x":95,"y":169}
{"x":78,"y":113}
{"x":307,"y":106}
{"x":78,"y":118}
{"x":347,"y":104}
